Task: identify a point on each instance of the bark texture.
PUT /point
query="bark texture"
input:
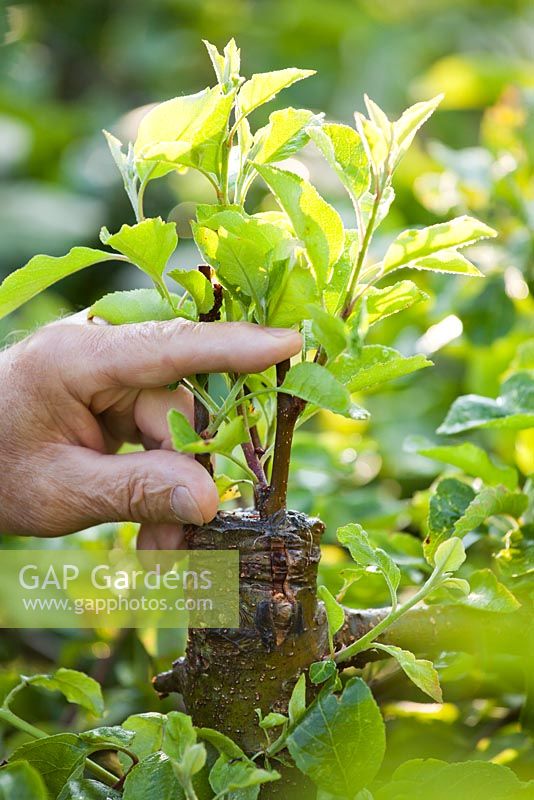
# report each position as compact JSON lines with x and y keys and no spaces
{"x":226,"y":674}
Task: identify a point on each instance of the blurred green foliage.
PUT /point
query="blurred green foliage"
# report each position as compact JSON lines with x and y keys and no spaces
{"x":70,"y":69}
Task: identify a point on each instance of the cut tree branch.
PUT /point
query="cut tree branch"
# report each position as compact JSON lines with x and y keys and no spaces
{"x":288,"y":409}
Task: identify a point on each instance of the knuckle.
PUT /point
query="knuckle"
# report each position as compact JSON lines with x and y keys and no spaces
{"x":36,"y":356}
{"x":141,"y":499}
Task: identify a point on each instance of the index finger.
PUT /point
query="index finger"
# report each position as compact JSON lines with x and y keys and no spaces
{"x":152,"y":354}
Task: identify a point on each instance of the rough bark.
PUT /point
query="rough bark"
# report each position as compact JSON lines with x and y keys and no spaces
{"x":226,"y":674}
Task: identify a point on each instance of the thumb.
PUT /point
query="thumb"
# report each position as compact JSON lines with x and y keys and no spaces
{"x":157,"y":486}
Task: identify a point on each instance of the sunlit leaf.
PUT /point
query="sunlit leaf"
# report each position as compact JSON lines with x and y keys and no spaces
{"x":415,"y":248}
{"x":410,"y":121}
{"x":148,"y":245}
{"x":282,"y":137}
{"x":184,"y":131}
{"x":343,"y":149}
{"x":315,"y":222}
{"x":419,"y":670}
{"x":382,"y":303}
{"x":43,"y":271}
{"x":265,"y":85}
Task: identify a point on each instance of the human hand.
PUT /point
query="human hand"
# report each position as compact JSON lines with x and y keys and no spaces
{"x":73,"y":392}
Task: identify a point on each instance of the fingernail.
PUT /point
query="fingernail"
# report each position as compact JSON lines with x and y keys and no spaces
{"x":185,"y":506}
{"x":282,"y":332}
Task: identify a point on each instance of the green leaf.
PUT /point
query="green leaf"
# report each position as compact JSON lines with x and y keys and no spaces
{"x":75,"y":686}
{"x":135,"y":305}
{"x":321,"y":671}
{"x":315,"y":222}
{"x":411,"y":120}
{"x":382,"y":303}
{"x":365,"y":555}
{"x":343,"y":149}
{"x":43,"y":271}
{"x":488,"y":594}
{"x":334,"y":612}
{"x":340,"y":742}
{"x":226,"y":66}
{"x":231,"y":775}
{"x":198,"y":286}
{"x":284,"y":135}
{"x":153,"y":777}
{"x":297,"y":701}
{"x":148,"y":245}
{"x":328,"y":330}
{"x":57,"y":758}
{"x":447,"y":505}
{"x":415,"y":247}
{"x":376,"y":135}
{"x":450,"y":555}
{"x":86,"y":789}
{"x":185,"y":131}
{"x":114,"y":734}
{"x":126,"y":166}
{"x":241,"y":257}
{"x":171,"y":734}
{"x":20,"y":781}
{"x":190,"y":764}
{"x":447,"y":261}
{"x":221,"y":742}
{"x":375,"y":365}
{"x":435,"y":780}
{"x":513,"y":409}
{"x":489,"y":502}
{"x":317,"y":385}
{"x":182,"y":433}
{"x":367,"y":202}
{"x":419,"y":671}
{"x":186,"y":440}
{"x":473,"y":461}
{"x":265,"y":86}
{"x":273,"y":720}
{"x":289,"y":297}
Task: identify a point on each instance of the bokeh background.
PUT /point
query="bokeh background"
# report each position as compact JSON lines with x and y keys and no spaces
{"x":69,"y":69}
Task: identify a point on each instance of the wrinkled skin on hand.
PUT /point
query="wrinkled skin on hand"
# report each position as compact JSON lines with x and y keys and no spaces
{"x":72,"y":393}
